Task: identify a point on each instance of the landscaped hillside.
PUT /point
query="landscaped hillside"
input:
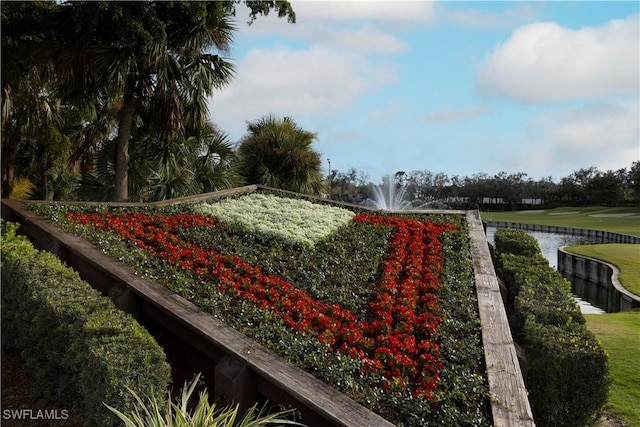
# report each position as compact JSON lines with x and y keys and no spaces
{"x":380,"y":306}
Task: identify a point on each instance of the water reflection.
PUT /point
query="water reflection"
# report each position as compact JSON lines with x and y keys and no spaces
{"x":587,"y":296}
{"x":597,"y":295}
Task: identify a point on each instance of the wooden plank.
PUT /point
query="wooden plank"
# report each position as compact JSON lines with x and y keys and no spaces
{"x":509,"y":401}
{"x":205,"y":196}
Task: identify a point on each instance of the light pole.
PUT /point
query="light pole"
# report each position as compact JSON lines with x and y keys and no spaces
{"x":329,"y":178}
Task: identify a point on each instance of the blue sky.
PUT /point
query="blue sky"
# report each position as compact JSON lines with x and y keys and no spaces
{"x":544,"y":88}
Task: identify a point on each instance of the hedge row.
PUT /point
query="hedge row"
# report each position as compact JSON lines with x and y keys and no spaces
{"x":80,"y":348}
{"x":567,"y":367}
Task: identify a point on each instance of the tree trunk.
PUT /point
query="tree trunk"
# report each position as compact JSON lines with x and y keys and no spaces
{"x":8,"y":168}
{"x":44,"y":178}
{"x":121,"y":189}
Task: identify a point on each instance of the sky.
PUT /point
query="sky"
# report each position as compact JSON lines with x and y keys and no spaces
{"x":462,"y":88}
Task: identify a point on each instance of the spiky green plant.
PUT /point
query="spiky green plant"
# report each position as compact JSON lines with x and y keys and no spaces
{"x":276,"y":152}
{"x":204,"y":414}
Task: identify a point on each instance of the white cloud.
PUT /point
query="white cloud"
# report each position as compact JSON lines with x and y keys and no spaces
{"x":609,"y":126}
{"x":476,"y":18}
{"x":365,"y":40}
{"x":456,"y":115}
{"x":391,"y":12}
{"x":316,"y":81}
{"x":545,"y":62}
{"x":606,"y":135}
{"x":334,"y":69}
{"x":603,"y":134}
{"x":349,"y":25}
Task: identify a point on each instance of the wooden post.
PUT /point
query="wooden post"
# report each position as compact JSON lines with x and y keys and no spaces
{"x":235,"y":384}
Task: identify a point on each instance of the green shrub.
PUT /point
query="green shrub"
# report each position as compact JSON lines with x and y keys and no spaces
{"x":22,"y":188}
{"x":567,"y":368}
{"x":510,"y":264}
{"x":568,"y":378}
{"x":517,"y":242}
{"x":81,"y":350}
{"x":548,"y":302}
{"x":539,"y":291}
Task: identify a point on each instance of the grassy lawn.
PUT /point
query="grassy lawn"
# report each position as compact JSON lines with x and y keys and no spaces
{"x":619,"y":334}
{"x":617,"y":220}
{"x":624,"y":256}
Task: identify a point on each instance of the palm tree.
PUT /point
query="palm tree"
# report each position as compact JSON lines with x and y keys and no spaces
{"x":31,"y":114}
{"x":145,"y":54}
{"x":200,"y":160}
{"x":111,"y":60}
{"x":216,"y":166}
{"x":277,"y":153}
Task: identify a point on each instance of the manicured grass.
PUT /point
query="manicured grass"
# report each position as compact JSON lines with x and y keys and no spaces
{"x":624,"y":256}
{"x":619,"y":334}
{"x":617,"y":220}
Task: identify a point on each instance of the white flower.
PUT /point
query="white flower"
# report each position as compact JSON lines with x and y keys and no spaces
{"x":295,"y":220}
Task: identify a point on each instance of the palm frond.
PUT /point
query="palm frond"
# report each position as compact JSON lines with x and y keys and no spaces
{"x":276,"y":152}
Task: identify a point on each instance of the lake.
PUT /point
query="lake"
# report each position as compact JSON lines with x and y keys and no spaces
{"x":549,"y":244}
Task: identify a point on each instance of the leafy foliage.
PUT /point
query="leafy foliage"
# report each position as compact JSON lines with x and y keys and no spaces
{"x":277,"y":153}
{"x":546,"y":321}
{"x":182,"y":414}
{"x":292,"y":220}
{"x":569,"y":375}
{"x":81,"y":349}
{"x":516,"y":242}
{"x":86,"y":79}
{"x":200,"y":161}
{"x":342,"y":276}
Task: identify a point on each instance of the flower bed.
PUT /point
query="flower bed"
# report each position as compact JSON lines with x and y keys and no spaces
{"x":383,"y":310}
{"x":294,"y":220}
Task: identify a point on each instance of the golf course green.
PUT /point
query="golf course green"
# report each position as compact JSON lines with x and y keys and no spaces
{"x":619,"y":333}
{"x":616,"y":220}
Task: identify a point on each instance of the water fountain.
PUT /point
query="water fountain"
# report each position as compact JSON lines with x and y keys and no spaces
{"x":389,"y":195}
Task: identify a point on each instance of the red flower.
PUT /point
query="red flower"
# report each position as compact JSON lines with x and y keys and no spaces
{"x":400,"y":340}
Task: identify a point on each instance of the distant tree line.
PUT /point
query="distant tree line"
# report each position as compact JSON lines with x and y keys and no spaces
{"x":503,"y":191}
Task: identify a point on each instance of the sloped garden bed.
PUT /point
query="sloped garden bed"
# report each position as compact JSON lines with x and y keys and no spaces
{"x":379,"y":306}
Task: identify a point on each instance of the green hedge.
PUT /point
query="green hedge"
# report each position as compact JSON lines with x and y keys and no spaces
{"x":508,"y":265}
{"x":80,"y":348}
{"x":539,"y":292}
{"x":569,"y":378}
{"x":516,"y":242}
{"x":567,"y":367}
